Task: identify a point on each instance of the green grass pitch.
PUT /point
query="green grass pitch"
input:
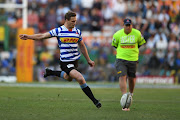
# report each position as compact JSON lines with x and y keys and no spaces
{"x":35,"y":103}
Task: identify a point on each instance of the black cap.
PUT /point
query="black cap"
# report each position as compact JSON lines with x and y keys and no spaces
{"x":127,"y":21}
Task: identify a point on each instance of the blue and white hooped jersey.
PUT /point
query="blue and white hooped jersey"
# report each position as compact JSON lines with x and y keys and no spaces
{"x":68,"y":42}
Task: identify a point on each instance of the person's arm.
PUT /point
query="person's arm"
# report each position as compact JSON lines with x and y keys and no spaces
{"x":141,"y":41}
{"x":115,"y":41}
{"x":39,"y":36}
{"x":85,"y":53}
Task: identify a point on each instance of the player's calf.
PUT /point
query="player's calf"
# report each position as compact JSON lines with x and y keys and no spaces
{"x":89,"y":93}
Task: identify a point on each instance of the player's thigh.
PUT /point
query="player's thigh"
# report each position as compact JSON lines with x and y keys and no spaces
{"x":68,"y":66}
{"x":121,"y":67}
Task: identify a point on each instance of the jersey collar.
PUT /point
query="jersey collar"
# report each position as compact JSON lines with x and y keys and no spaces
{"x":69,"y":29}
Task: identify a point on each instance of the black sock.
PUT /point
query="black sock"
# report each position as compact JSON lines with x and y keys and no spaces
{"x":89,"y":93}
{"x":56,"y":73}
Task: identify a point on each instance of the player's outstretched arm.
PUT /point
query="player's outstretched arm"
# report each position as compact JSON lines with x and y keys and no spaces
{"x":85,"y":53}
{"x":39,"y":36}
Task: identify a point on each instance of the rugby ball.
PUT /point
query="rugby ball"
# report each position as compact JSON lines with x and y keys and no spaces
{"x":126,"y":100}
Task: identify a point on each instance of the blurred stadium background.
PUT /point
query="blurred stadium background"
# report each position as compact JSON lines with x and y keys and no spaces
{"x":158,"y":20}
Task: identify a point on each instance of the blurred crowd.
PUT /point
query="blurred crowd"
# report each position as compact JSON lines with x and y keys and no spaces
{"x":158,"y":21}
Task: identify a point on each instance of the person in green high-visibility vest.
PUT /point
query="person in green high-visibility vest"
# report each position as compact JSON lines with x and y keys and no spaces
{"x":127,"y":42}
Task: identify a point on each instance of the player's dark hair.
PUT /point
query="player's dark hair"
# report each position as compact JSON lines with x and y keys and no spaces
{"x":69,"y":14}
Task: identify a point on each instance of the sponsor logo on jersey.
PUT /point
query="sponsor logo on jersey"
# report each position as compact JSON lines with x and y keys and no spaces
{"x":69,"y":40}
{"x":128,"y":46}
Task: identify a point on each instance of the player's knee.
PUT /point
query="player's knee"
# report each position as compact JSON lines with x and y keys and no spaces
{"x":67,"y":77}
{"x":81,"y":82}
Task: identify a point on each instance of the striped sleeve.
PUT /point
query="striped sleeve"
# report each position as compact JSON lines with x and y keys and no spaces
{"x":80,"y":37}
{"x":54,"y":32}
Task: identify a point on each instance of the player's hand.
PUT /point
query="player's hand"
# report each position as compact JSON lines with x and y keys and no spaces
{"x":91,"y":63}
{"x":23,"y":36}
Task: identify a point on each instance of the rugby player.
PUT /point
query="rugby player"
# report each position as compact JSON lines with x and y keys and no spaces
{"x":69,"y":38}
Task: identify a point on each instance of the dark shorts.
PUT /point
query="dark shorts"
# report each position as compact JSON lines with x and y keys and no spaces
{"x":125,"y":67}
{"x":68,"y":66}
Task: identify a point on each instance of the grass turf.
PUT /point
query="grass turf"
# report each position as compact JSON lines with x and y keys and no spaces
{"x":33,"y":103}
